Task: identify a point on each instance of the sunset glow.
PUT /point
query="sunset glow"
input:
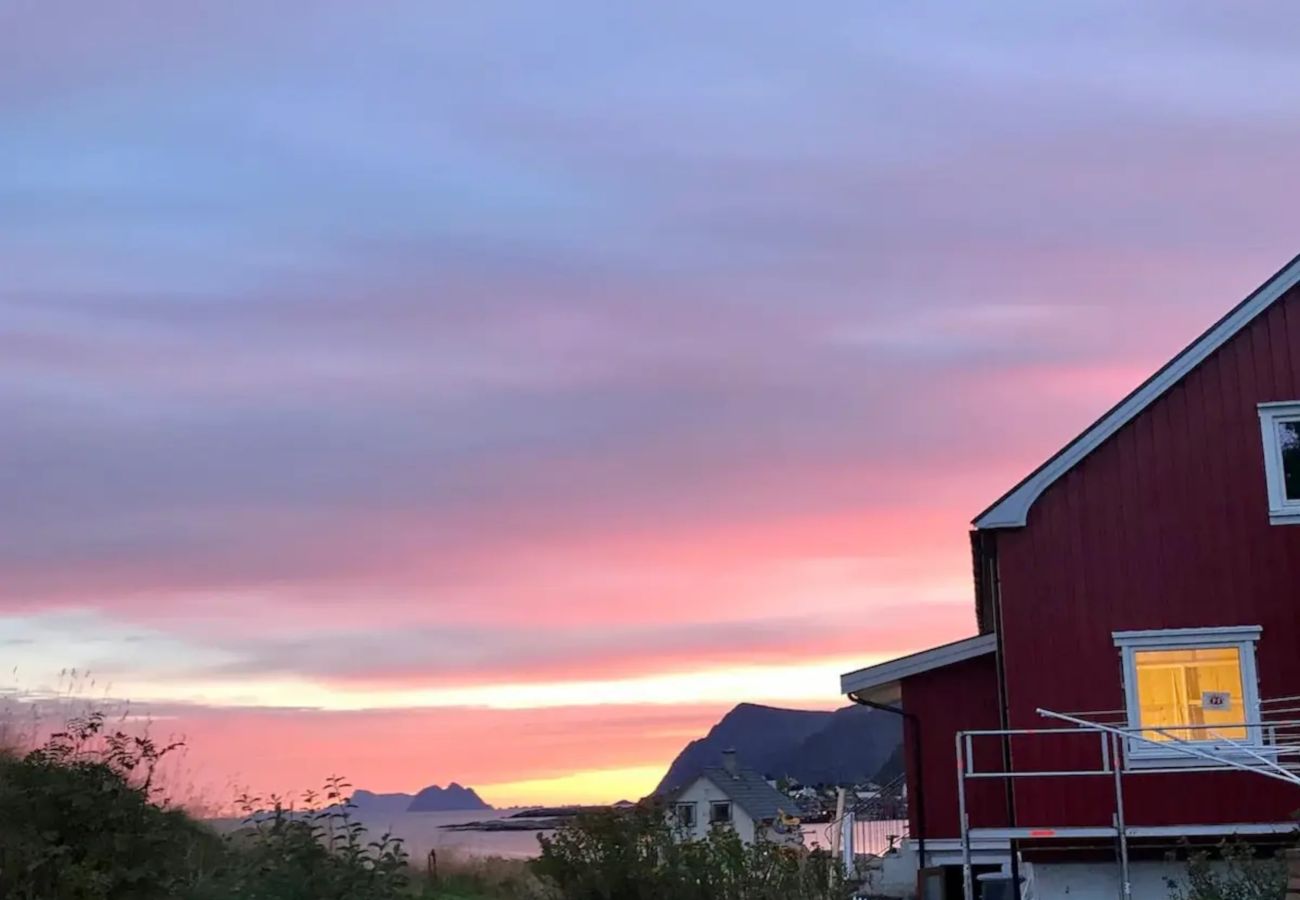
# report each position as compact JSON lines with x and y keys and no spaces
{"x":595,"y":786}
{"x":498,"y":395}
{"x":787,"y":683}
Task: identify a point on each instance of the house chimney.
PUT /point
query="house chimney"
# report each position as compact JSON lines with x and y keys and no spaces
{"x":729,"y":761}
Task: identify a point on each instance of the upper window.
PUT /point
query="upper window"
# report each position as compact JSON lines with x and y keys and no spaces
{"x":1280,"y":424}
{"x":1190,"y":684}
{"x":685,"y":815}
{"x":719,"y":812}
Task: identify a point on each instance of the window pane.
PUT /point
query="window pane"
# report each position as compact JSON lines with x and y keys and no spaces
{"x":1288,"y":434}
{"x":1196,"y":688}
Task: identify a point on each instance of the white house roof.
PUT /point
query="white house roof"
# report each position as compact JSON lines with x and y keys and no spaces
{"x":748,"y":790}
{"x":1012,"y":509}
{"x":880,"y":683}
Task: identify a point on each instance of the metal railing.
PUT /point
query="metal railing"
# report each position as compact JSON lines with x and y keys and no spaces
{"x":1269,"y":747}
{"x":874,"y":825}
{"x":879,"y":822}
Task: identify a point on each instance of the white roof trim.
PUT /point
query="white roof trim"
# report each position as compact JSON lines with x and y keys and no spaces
{"x":1012,"y":510}
{"x":895,"y":670}
{"x":1187,"y":637}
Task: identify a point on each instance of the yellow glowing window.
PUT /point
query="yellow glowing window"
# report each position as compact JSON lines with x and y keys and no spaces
{"x":1191,"y":694}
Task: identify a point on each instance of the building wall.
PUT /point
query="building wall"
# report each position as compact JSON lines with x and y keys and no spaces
{"x":701,"y":793}
{"x":959,"y":697}
{"x":1100,"y":881}
{"x":1165,"y":525}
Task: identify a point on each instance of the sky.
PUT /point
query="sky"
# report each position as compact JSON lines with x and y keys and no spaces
{"x":500,"y":392}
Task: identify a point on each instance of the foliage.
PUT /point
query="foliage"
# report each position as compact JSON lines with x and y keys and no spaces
{"x":632,"y":855}
{"x":77,"y":821}
{"x":474,"y":878}
{"x":1234,"y":872}
{"x":81,"y":819}
{"x":319,"y":854}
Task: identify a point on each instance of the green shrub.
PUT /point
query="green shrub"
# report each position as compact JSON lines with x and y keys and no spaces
{"x":319,"y":854}
{"x":77,"y":821}
{"x":632,"y":855}
{"x":1233,"y":872}
{"x":464,"y":877}
{"x":80,"y":819}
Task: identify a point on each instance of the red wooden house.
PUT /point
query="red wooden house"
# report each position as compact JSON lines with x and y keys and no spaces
{"x":1145,"y":581}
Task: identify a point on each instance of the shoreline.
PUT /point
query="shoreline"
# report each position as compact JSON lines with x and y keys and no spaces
{"x":543,"y":818}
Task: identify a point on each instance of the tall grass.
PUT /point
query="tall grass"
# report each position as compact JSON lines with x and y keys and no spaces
{"x":458,"y":875}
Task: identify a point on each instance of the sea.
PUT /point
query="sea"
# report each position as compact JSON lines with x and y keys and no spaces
{"x":424,"y":831}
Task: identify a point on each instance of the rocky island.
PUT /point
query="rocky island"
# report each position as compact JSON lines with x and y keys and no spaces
{"x":452,"y":798}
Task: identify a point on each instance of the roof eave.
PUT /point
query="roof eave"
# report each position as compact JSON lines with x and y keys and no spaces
{"x":1012,"y":509}
{"x":874,"y":681}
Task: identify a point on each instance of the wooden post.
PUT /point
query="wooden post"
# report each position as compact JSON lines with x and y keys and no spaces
{"x":1293,"y":874}
{"x":837,"y":835}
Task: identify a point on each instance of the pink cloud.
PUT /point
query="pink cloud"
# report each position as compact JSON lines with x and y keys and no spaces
{"x":289,"y":751}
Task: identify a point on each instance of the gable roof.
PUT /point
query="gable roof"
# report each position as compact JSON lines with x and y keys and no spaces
{"x":879,"y":683}
{"x":748,"y":790}
{"x":1011,"y":510}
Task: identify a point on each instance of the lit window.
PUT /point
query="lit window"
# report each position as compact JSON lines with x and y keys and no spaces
{"x":685,"y":815}
{"x":1280,"y":427}
{"x":1197,"y":688}
{"x":1190,"y":684}
{"x":719,"y":813}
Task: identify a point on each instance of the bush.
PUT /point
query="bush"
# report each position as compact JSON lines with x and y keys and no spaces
{"x":632,"y":855}
{"x":77,"y":821}
{"x":80,"y":820}
{"x":318,"y":854}
{"x":458,"y":876}
{"x":1233,"y":872}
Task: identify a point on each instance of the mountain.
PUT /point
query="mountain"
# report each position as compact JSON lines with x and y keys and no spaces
{"x":366,"y":801}
{"x":762,"y":736}
{"x":847,"y":746}
{"x":893,"y":767}
{"x":852,"y":748}
{"x":453,"y":796}
{"x":433,"y":798}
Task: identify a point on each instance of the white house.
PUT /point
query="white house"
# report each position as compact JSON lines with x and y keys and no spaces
{"x":731,"y":796}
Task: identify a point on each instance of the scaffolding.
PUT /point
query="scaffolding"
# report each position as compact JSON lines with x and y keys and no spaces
{"x":1271,"y":749}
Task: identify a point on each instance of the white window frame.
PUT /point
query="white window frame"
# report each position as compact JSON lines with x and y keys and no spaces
{"x":1281,"y":510}
{"x":713,"y":805}
{"x":1242,"y":638}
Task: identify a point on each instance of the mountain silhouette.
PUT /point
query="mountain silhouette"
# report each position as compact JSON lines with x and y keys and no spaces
{"x":847,"y":746}
{"x":431,"y":799}
{"x":453,"y":796}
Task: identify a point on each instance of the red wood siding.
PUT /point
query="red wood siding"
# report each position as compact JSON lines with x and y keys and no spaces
{"x":1165,"y":525}
{"x":962,"y":696}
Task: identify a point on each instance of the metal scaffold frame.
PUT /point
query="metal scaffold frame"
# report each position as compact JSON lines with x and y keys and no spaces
{"x":1215,"y":752}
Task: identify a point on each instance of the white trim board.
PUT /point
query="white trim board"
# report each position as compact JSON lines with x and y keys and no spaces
{"x":1133,"y":831}
{"x":947,"y":851}
{"x":1187,"y":637}
{"x":887,"y":673}
{"x":1012,"y":509}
